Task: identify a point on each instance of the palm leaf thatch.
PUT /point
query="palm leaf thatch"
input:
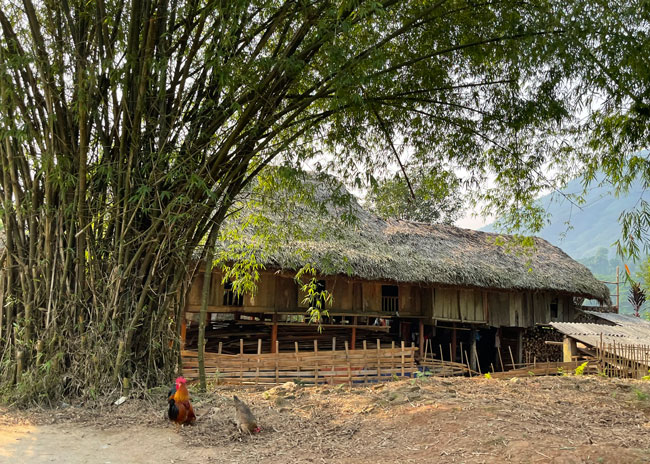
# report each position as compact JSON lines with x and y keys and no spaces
{"x":371,"y":248}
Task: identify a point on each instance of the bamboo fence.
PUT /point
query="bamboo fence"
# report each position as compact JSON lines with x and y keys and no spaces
{"x":367,"y":365}
{"x":623,"y":360}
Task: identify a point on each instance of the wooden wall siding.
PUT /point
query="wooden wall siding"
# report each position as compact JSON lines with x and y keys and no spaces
{"x":457,"y":305}
{"x":445,"y":304}
{"x":499,"y":307}
{"x":286,"y":294}
{"x":409,"y":300}
{"x":265,"y":296}
{"x":194,"y":295}
{"x":523,"y":309}
{"x":515,"y":310}
{"x":341,"y":294}
{"x":371,"y":297}
{"x":357,"y":297}
{"x":426,"y":301}
{"x":471,"y":306}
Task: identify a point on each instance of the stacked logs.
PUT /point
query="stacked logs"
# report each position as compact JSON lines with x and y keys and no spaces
{"x":535,"y":348}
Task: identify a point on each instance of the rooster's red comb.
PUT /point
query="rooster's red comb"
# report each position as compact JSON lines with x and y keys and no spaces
{"x":181,"y":379}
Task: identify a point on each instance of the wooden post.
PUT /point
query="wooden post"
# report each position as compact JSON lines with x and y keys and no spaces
{"x":569,"y":349}
{"x":453,"y":343}
{"x":259,"y":352}
{"x":365,"y":363}
{"x":500,"y":359}
{"x":347,"y":358}
{"x":486,"y":309}
{"x":520,"y":346}
{"x":274,"y":333}
{"x":402,"y":358}
{"x":469,"y":369}
{"x":277,"y":360}
{"x":473,"y":355}
{"x":512,"y":358}
{"x":297,"y":359}
{"x":241,"y":360}
{"x":353,"y":337}
{"x":316,"y":362}
{"x":183,"y":330}
{"x":378,"y":359}
{"x":331,"y":379}
{"x":618,"y":289}
{"x":478,"y":363}
{"x":421,"y":338}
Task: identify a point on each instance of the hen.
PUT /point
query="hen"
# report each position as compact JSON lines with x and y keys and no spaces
{"x":244,"y":418}
{"x":180,"y":408}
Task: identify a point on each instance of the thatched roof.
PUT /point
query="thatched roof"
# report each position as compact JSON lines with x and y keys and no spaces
{"x":403,"y":251}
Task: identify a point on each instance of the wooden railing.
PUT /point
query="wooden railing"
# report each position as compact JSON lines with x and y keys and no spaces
{"x":389,"y":304}
{"x":370,"y":364}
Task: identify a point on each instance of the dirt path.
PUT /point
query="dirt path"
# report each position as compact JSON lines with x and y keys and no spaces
{"x":71,"y":444}
{"x":544,"y":420}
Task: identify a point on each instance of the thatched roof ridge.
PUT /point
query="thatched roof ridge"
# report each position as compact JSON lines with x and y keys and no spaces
{"x":403,"y":251}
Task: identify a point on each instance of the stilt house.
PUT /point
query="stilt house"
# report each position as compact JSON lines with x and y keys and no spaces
{"x":398,"y":281}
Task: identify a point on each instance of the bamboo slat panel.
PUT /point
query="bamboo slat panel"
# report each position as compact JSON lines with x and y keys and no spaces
{"x":623,"y":360}
{"x":310,"y":367}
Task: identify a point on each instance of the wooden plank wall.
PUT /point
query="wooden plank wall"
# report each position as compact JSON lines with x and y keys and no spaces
{"x":504,"y":309}
{"x":370,"y":364}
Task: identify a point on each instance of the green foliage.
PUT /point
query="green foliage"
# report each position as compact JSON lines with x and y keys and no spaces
{"x":132,"y":131}
{"x":636,"y":297}
{"x":488,"y":375}
{"x":316,"y":298}
{"x":438,"y":197}
{"x":640,"y":395}
{"x":646,"y":377}
{"x":580,"y":370}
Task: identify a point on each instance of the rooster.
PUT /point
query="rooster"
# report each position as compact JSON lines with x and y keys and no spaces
{"x":244,"y":417}
{"x":180,"y":408}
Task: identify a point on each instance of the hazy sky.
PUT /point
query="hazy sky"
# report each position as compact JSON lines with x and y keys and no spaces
{"x":468,"y":221}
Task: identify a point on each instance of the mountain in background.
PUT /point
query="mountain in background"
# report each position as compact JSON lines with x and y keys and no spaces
{"x":588,"y":232}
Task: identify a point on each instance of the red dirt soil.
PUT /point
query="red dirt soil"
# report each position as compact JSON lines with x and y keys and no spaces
{"x":543,"y":419}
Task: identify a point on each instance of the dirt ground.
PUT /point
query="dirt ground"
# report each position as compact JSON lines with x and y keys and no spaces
{"x":532,"y":420}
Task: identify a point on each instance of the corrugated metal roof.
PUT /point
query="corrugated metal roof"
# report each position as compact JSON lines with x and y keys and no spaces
{"x":620,"y":319}
{"x":590,"y":334}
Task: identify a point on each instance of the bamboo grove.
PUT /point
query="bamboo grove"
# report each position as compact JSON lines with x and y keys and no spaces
{"x":128,"y":128}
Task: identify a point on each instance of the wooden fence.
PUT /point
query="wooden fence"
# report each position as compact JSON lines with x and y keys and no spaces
{"x":369,"y":364}
{"x":622,"y":360}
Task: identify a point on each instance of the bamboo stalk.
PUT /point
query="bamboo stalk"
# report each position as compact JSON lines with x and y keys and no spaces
{"x":500,"y":359}
{"x":478,"y":363}
{"x":469,"y":369}
{"x":402,"y":358}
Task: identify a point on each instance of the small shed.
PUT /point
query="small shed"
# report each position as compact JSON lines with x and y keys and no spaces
{"x":620,"y":343}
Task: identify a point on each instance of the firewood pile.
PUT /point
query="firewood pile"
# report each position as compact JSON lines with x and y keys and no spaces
{"x":535,"y":348}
